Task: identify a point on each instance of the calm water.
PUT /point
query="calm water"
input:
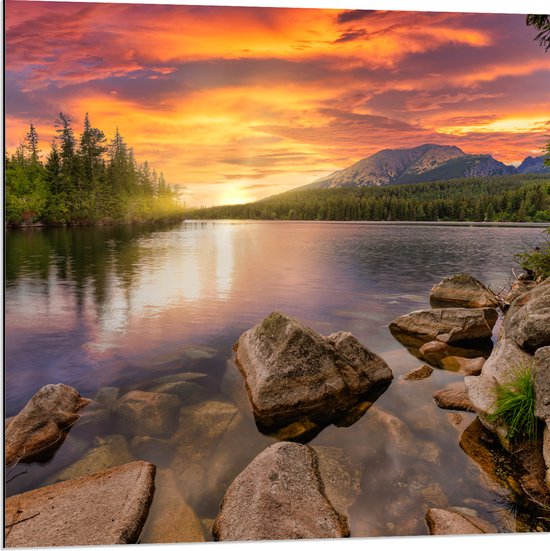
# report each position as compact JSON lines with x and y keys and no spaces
{"x":122,"y":307}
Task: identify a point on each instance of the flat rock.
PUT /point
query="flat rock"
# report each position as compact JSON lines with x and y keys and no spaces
{"x":454,"y":396}
{"x":527,"y":321}
{"x":463,"y":365}
{"x":448,"y":325}
{"x":541,"y":379}
{"x":147,"y":413}
{"x":419,"y":373}
{"x":108,"y":451}
{"x":41,"y":426}
{"x":279,"y":496}
{"x":292,"y":372}
{"x":105,"y":508}
{"x":171,"y":519}
{"x":462,"y":290}
{"x":452,"y":522}
{"x":435,"y":352}
{"x":499,"y":369}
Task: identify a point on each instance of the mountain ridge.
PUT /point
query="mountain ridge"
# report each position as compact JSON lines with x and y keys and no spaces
{"x":424,"y":163}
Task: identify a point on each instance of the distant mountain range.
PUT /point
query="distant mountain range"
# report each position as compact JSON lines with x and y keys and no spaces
{"x":426,"y":163}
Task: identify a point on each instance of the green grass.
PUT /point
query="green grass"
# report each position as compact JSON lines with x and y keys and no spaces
{"x":515,"y":406}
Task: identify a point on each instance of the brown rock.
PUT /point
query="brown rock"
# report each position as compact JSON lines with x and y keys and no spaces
{"x":155,"y":450}
{"x":105,"y":508}
{"x":448,"y":325}
{"x":452,"y":522}
{"x":292,"y":372}
{"x":541,"y":380}
{"x":41,"y":426}
{"x":279,"y":496}
{"x":419,"y":373}
{"x":147,"y":413}
{"x":435,"y":352}
{"x":464,"y":291}
{"x":454,"y":396}
{"x":170,"y":520}
{"x":463,"y":365}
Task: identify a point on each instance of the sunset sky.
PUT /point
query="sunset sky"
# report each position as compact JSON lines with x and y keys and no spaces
{"x":234,"y":104}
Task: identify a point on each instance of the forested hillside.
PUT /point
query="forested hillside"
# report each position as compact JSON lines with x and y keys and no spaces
{"x":517,"y":198}
{"x":83,"y":181}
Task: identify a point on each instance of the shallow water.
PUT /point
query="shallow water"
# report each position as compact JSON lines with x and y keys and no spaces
{"x":123,"y":306}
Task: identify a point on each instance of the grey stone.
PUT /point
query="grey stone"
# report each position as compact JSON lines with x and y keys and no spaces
{"x":105,"y":508}
{"x":147,"y":413}
{"x":292,"y":372}
{"x":279,"y":496}
{"x":541,"y":379}
{"x":448,"y":325}
{"x":464,"y":291}
{"x":454,"y":396}
{"x":527,"y":322}
{"x":454,"y":522}
{"x":42,"y":424}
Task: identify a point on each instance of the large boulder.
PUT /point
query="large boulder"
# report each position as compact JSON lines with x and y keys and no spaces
{"x":147,"y":413}
{"x":41,"y":426}
{"x":503,"y":364}
{"x":448,"y":325}
{"x":527,"y":322}
{"x":454,"y":522}
{"x":462,"y":290}
{"x":541,"y":379}
{"x":279,"y":496}
{"x":106,"y":508}
{"x":292,"y":372}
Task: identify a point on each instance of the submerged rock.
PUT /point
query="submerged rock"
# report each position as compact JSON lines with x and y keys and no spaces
{"x":41,"y":426}
{"x":527,"y":322}
{"x":279,"y":496}
{"x":155,"y":450}
{"x":147,"y":413}
{"x":436,"y":352}
{"x":292,"y":372}
{"x":419,"y":373}
{"x":463,"y":365}
{"x":462,"y":290}
{"x":105,"y":508}
{"x":448,"y":325}
{"x":171,"y":519}
{"x":454,"y":522}
{"x":454,"y":396}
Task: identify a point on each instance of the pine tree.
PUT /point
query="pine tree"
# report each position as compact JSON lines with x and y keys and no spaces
{"x":31,"y":144}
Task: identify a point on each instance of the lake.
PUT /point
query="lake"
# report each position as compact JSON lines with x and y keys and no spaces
{"x":110,"y":309}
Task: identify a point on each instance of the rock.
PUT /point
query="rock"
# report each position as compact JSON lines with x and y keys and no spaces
{"x":147,"y":413}
{"x":463,"y":365}
{"x":454,"y":396}
{"x":435,"y":352}
{"x":201,"y":428}
{"x":108,"y":451}
{"x":447,"y":325}
{"x":292,"y":372}
{"x":107,"y":396}
{"x":341,"y":477}
{"x":499,"y":369}
{"x":419,"y":373}
{"x":462,"y":290}
{"x":40,"y":427}
{"x":527,"y":321}
{"x":187,"y":376}
{"x":518,"y":288}
{"x":452,"y":522}
{"x":192,"y":481}
{"x":546,"y":451}
{"x":155,"y":450}
{"x":279,"y":496}
{"x":541,"y":379}
{"x":105,"y":508}
{"x":170,"y":520}
{"x":188,"y":392}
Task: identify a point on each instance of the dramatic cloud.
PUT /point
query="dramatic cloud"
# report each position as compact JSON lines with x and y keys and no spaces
{"x":238,"y":103}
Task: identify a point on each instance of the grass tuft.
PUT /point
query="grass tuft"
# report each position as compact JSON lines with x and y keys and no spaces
{"x":515,"y":406}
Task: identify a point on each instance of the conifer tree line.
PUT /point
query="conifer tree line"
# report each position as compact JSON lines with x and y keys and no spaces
{"x":83,"y":180}
{"x":515,"y":198}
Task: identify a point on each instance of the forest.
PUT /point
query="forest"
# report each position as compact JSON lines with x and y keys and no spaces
{"x":85,"y":180}
{"x":514,"y":198}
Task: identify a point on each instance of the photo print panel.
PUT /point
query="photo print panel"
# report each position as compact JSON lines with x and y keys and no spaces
{"x":274,"y":273}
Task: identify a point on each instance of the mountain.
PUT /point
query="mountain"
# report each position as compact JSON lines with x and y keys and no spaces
{"x":533,"y":165}
{"x":426,"y":163}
